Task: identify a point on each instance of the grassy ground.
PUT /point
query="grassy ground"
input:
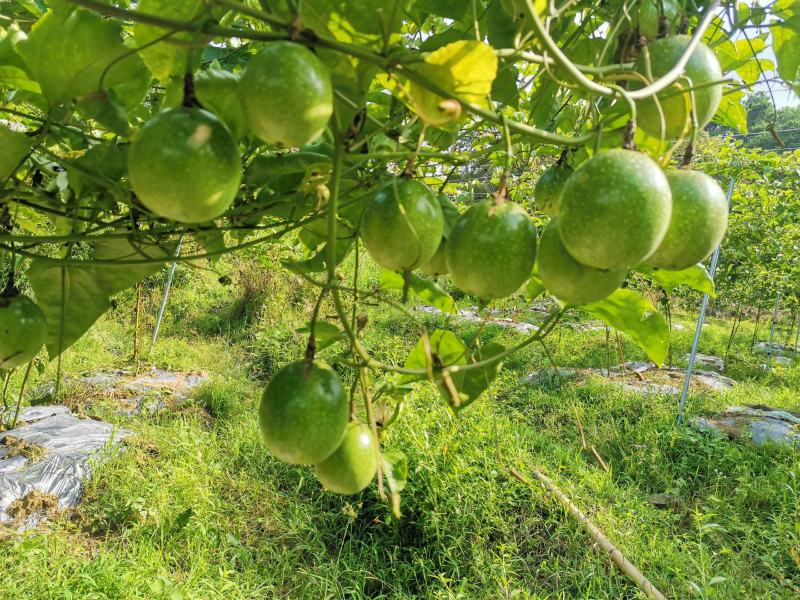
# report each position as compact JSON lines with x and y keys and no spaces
{"x":196,"y":508}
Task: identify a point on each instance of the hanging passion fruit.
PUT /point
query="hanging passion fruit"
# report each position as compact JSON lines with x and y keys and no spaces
{"x":491,"y":249}
{"x":353,"y":464}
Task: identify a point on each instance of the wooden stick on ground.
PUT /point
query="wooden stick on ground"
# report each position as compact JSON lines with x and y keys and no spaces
{"x":616,"y":556}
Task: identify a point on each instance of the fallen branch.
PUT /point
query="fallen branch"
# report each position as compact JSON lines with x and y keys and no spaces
{"x":616,"y":556}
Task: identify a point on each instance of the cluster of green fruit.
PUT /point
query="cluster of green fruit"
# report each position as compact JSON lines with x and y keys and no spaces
{"x":304,"y":416}
{"x":618,"y":210}
{"x":184,"y":163}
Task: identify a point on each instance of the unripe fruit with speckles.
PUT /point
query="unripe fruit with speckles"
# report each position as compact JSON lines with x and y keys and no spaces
{"x":698,"y":223}
{"x":491,"y":249}
{"x":615,"y":210}
{"x":547,"y":193}
{"x":702,"y":69}
{"x":566,"y":278}
{"x":402,"y":225}
{"x":303,"y":413}
{"x":353,"y":464}
{"x":286,"y":95}
{"x":184,"y":165}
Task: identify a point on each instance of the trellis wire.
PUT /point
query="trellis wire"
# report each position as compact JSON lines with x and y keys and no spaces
{"x":167,"y":288}
{"x":700,"y":320}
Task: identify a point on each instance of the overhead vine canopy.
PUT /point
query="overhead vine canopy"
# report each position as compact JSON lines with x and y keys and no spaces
{"x":127,"y":126}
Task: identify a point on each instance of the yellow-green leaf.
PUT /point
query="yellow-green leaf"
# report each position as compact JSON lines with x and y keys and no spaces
{"x":466,"y":69}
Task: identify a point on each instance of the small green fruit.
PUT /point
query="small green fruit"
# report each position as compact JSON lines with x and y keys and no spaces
{"x":437,"y":265}
{"x":304,"y":413}
{"x":184,"y":165}
{"x":567,"y":279}
{"x":352,"y":466}
{"x":491,"y":249}
{"x":547,"y":193}
{"x":402,"y":225}
{"x":286,"y":95}
{"x":698,"y":223}
{"x":702,"y":69}
{"x":615,"y":210}
{"x":23,"y":330}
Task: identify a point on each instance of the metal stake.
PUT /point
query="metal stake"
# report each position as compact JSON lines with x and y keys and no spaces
{"x":771,"y":349}
{"x":700,"y":320}
{"x":167,"y":288}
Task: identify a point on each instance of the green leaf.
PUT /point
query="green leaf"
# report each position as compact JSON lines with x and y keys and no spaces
{"x":471,"y":384}
{"x":786,"y":44}
{"x":535,"y":286}
{"x":15,"y":147}
{"x":445,"y":349}
{"x":16,"y":78}
{"x":318,"y":262}
{"x":695,"y":277}
{"x":630,"y":313}
{"x":171,"y":56}
{"x":217,"y":91}
{"x":325,"y":334}
{"x":86,"y":290}
{"x":85,"y":301}
{"x":394,"y":465}
{"x":425,"y":289}
{"x":68,"y":53}
{"x":731,"y":111}
{"x":466,"y":68}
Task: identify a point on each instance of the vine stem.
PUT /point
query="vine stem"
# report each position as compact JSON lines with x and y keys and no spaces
{"x":373,"y":425}
{"x":21,"y":394}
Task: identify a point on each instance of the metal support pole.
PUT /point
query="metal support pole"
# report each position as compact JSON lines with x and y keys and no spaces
{"x":167,"y":288}
{"x":712,"y":269}
{"x":797,"y":336}
{"x":771,"y":349}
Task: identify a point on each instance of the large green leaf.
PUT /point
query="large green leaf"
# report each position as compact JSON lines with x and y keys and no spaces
{"x":87,"y":289}
{"x":84,"y":301}
{"x":15,"y":147}
{"x":731,"y":111}
{"x":68,"y":53}
{"x":217,"y":91}
{"x":427,"y":290}
{"x":630,"y":313}
{"x":786,"y":44}
{"x":695,"y":277}
{"x":445,"y":349}
{"x":170,"y":56}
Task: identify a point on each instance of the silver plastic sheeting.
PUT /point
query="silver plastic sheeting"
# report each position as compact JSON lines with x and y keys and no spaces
{"x":72,"y":447}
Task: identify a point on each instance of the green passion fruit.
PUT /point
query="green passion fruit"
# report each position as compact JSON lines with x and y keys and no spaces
{"x":491,"y":249}
{"x":402,"y":225}
{"x":650,"y":12}
{"x":304,"y":413}
{"x":566,"y":278}
{"x":23,"y":330}
{"x":353,"y":464}
{"x":615,"y":210}
{"x":437,"y":265}
{"x":698,"y":223}
{"x":547,"y":193}
{"x":184,"y":165}
{"x":658,"y":58}
{"x":286,"y":95}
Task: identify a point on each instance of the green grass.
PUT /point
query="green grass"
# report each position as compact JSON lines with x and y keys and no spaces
{"x":196,"y":508}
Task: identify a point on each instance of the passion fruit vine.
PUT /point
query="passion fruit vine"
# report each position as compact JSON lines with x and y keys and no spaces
{"x":184,"y":165}
{"x":304,"y":413}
